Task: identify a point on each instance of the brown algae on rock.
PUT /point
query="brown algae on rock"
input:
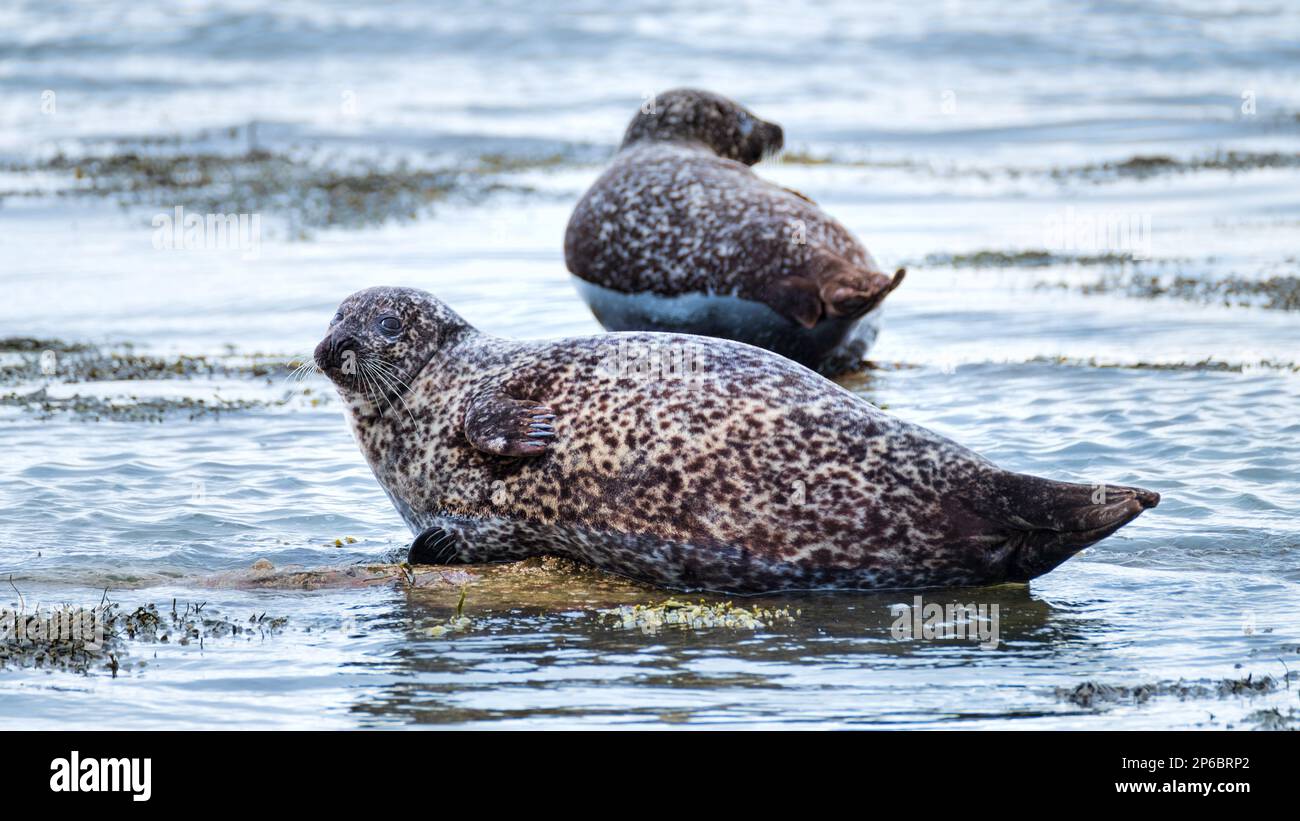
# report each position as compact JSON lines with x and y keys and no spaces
{"x":1144,"y":166}
{"x":1199,"y":366}
{"x":1137,"y":167}
{"x":29,"y":344}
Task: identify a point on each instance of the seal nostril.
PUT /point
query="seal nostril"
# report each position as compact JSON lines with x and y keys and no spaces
{"x":321,"y":354}
{"x":344,"y":355}
{"x":331,"y":350}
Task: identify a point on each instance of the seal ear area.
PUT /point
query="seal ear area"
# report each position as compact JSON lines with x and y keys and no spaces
{"x":1050,"y":521}
{"x":501,"y":425}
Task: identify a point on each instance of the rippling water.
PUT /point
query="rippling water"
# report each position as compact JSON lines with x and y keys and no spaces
{"x":934,"y":134}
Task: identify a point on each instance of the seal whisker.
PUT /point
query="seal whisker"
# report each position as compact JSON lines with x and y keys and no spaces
{"x":369,"y":385}
{"x":374,"y":388}
{"x":389,"y":387}
{"x":394,"y":380}
{"x":305,"y":368}
{"x":392,"y":372}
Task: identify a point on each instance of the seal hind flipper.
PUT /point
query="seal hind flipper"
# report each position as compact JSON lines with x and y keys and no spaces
{"x":502,"y":425}
{"x":857,"y":291}
{"x":848,"y":290}
{"x":1051,"y":521}
{"x":830,"y":288}
{"x":796,"y":298}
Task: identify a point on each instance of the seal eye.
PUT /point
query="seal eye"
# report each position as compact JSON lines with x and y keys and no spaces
{"x":390,"y":326}
{"x":338,"y":317}
{"x":745,"y":123}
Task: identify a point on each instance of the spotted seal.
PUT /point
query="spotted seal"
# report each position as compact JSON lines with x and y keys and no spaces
{"x":684,"y":461}
{"x":680,"y":235}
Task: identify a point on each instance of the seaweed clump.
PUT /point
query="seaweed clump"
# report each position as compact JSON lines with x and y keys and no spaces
{"x":64,"y":638}
{"x":29,"y":344}
{"x":1274,"y":719}
{"x":45,"y":361}
{"x":458,"y":623}
{"x":1137,"y":167}
{"x":85,"y":640}
{"x":134,"y":409}
{"x":1093,"y":693}
{"x":1277,"y":293}
{"x":310,"y":187}
{"x":1200,"y":366}
{"x":88,"y":363}
{"x":1150,"y":165}
{"x":314,"y":192}
{"x":1030,"y":258}
{"x":651,"y":618}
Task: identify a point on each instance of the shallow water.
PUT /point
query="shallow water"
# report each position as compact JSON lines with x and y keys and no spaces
{"x":1018,"y":361}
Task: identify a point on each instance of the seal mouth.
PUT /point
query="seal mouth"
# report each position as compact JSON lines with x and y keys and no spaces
{"x":774,"y":143}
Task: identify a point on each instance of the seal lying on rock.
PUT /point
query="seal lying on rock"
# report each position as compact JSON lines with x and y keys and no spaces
{"x":680,"y":235}
{"x":685,"y":461}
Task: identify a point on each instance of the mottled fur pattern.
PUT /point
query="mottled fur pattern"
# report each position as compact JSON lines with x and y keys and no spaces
{"x":679,"y":211}
{"x":684,"y":461}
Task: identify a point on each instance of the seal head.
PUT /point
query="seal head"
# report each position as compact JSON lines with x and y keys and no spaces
{"x":689,"y":115}
{"x":378,"y":342}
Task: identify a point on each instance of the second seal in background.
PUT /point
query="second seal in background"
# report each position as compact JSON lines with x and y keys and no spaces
{"x":680,"y":235}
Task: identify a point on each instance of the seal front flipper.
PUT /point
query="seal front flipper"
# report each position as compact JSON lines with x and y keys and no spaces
{"x":436,"y":545}
{"x":453,"y":539}
{"x":502,"y":425}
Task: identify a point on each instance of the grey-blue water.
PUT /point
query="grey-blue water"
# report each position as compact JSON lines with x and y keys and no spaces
{"x":934,"y":131}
